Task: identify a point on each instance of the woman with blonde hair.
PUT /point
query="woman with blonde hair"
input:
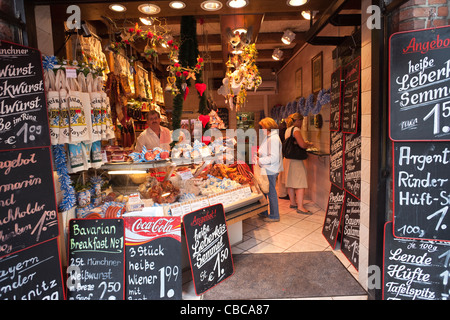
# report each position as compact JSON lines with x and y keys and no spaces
{"x":295,"y":172}
{"x":269,"y":157}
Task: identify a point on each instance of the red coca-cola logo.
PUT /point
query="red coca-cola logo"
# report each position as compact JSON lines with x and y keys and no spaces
{"x":162,"y":225}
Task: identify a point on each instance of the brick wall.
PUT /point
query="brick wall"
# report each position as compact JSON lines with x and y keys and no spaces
{"x":417,"y":14}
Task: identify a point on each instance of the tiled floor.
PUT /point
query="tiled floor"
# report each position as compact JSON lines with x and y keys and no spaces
{"x":293,"y":233}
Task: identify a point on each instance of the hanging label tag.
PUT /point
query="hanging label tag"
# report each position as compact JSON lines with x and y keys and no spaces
{"x":71,"y":73}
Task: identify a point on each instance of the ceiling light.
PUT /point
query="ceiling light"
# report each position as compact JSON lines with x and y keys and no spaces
{"x":296,"y":3}
{"x":117,"y":7}
{"x":177,"y":5}
{"x":307,"y":14}
{"x":211,"y":5}
{"x":277,"y":54}
{"x":288,"y":37}
{"x":237,"y":3}
{"x":149,"y":8}
{"x":146,"y":21}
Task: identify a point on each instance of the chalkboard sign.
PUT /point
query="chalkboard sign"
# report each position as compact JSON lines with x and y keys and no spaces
{"x":28,"y":211}
{"x":153,"y":258}
{"x":419,"y":85}
{"x":352,"y":164}
{"x":333,"y":216}
{"x":350,"y":102}
{"x":415,"y":269}
{"x":208,"y":247}
{"x":421,"y":190}
{"x":335,"y":100}
{"x":96,"y":259}
{"x":32,"y":274}
{"x":350,"y":230}
{"x":23,"y":106}
{"x":337,"y":158}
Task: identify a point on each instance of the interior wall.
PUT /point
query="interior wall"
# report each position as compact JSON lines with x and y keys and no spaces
{"x":317,"y":166}
{"x":366,"y":123}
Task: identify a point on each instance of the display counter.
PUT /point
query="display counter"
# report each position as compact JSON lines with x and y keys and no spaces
{"x":240,"y":201}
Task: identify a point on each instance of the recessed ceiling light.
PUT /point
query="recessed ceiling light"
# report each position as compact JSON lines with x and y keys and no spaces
{"x":237,"y":3}
{"x":211,"y":5}
{"x":177,"y":5}
{"x":296,"y":3}
{"x":117,"y":7}
{"x":149,"y":8}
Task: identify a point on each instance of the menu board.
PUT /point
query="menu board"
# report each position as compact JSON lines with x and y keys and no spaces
{"x":32,"y":274}
{"x":337,"y":158}
{"x":352,"y":164}
{"x":96,"y":259}
{"x":350,"y":229}
{"x":28,"y":211}
{"x":153,"y":258}
{"x":351,"y":95}
{"x":23,"y":108}
{"x":421,"y":190}
{"x":415,"y":269}
{"x":419,"y":85}
{"x":335,"y":100}
{"x":208,"y":247}
{"x":333,"y":216}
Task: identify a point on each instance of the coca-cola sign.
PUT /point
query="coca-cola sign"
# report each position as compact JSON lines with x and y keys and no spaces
{"x":143,"y":229}
{"x":153,"y":255}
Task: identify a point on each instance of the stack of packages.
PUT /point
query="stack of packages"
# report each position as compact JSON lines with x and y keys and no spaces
{"x":80,"y":118}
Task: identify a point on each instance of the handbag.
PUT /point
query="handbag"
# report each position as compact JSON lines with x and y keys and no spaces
{"x":261,"y":177}
{"x":291,"y":149}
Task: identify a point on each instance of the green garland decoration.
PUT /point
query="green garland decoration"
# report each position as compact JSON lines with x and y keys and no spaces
{"x":188,"y":57}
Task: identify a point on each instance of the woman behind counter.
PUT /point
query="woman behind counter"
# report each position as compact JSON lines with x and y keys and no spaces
{"x":155,"y":135}
{"x":270,"y":158}
{"x":295,"y":172}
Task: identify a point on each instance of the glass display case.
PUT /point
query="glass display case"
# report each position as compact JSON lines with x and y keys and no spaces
{"x":175,"y":188}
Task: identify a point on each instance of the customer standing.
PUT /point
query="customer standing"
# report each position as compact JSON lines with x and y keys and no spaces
{"x":281,"y":188}
{"x":295,"y":172}
{"x":269,"y":157}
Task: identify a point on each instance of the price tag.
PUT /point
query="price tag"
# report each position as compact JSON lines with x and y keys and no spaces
{"x":235,"y":195}
{"x":71,"y":73}
{"x":186,"y":207}
{"x":185,"y":175}
{"x":176,"y":210}
{"x":214,"y":199}
{"x":247,"y":192}
{"x":228,"y":197}
{"x":195,"y":205}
